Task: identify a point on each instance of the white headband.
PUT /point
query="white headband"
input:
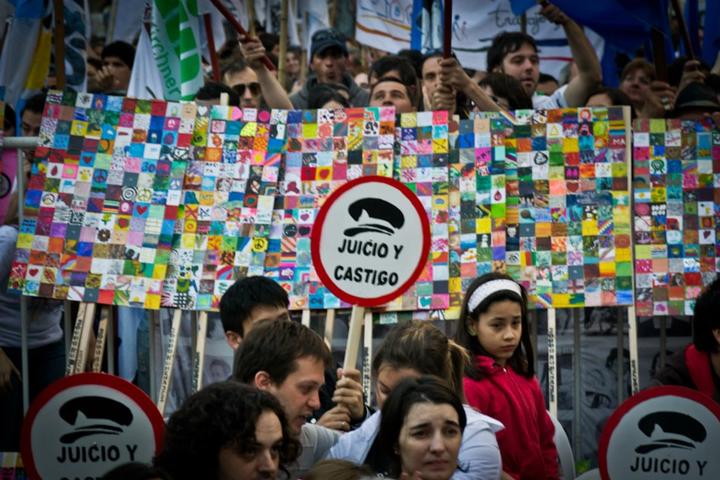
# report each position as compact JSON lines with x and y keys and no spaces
{"x":488,"y":288}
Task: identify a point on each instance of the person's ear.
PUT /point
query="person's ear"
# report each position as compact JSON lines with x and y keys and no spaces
{"x":233,"y":339}
{"x":262,"y":380}
{"x":716,"y":334}
{"x":470,"y":326}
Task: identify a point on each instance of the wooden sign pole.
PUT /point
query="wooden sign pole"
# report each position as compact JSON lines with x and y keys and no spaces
{"x":552,"y":361}
{"x":368,"y":353}
{"x":354,"y":334}
{"x":632,"y":317}
{"x":305,"y":319}
{"x":103,"y":327}
{"x":199,"y":360}
{"x":81,"y":336}
{"x":329,"y":327}
{"x":169,"y":361}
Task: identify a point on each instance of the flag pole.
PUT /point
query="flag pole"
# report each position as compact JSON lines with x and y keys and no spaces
{"x":684,"y":34}
{"x":447,"y":29}
{"x":59,"y":44}
{"x":238,"y":28}
{"x":283,"y":40}
{"x":211,"y":47}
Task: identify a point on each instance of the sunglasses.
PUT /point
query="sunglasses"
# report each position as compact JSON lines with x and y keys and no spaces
{"x":254,"y":88}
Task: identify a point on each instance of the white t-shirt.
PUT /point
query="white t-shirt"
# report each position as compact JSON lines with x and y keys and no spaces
{"x":548,"y":102}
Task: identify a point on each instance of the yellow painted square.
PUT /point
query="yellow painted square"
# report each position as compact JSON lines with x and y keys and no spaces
{"x":483,"y":225}
{"x":187,"y":241}
{"x":589,"y":227}
{"x":623,"y":255}
{"x":159,"y":271}
{"x":152,"y":301}
{"x":543,"y":229}
{"x":607,"y":269}
{"x":561,"y":299}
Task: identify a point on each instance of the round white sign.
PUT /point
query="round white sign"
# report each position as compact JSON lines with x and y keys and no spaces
{"x":666,"y":432}
{"x":82,"y":426}
{"x":370,"y":241}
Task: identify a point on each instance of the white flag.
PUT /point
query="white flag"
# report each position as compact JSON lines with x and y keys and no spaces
{"x":145,"y":81}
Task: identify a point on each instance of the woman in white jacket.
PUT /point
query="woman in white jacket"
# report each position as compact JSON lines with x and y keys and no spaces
{"x":413,"y":349}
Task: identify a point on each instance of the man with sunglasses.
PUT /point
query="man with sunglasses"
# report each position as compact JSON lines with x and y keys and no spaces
{"x":328,"y":62}
{"x":255,"y":85}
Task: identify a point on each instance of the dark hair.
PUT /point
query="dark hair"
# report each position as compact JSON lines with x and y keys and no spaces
{"x":617,"y":96}
{"x":509,"y":87}
{"x":522,"y":359}
{"x":394,"y":63}
{"x":135,"y":471}
{"x":274,"y":347}
{"x":237,"y":65}
{"x":238,"y":301}
{"x":322,"y":93}
{"x":9,"y":120}
{"x":295,"y":50}
{"x":35,"y":104}
{"x":337,"y":470}
{"x":212,"y":91}
{"x":411,"y":89}
{"x":638,"y":64}
{"x":221,"y":415}
{"x":504,"y":44}
{"x":426,"y":389}
{"x":706,"y":318}
{"x":122,"y":50}
{"x":546,"y":77}
{"x":415,"y":57}
{"x":268,"y":40}
{"x":423,"y":347}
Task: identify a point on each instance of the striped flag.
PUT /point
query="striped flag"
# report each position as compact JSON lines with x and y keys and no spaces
{"x":176,"y":44}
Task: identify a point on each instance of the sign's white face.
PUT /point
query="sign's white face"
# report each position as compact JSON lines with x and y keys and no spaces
{"x":666,"y":437}
{"x":86,"y":430}
{"x":371,"y":241}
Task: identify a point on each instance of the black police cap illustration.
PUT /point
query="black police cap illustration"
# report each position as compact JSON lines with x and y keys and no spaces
{"x":670,"y":430}
{"x":94,"y":416}
{"x":378,"y":216}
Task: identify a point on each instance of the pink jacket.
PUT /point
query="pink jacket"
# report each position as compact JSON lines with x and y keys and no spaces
{"x":526,"y":444}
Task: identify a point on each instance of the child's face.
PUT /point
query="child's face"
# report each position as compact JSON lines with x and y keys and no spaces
{"x":499,"y":329}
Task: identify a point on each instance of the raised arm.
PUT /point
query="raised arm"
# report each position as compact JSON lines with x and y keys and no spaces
{"x":589,"y":71}
{"x":274,"y":94}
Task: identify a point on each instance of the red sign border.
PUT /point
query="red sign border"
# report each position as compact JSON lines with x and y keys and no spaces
{"x":320,"y":221}
{"x":635,"y":400}
{"x":101,"y":379}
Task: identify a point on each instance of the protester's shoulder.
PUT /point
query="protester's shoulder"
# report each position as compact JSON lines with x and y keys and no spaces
{"x":674,"y":372}
{"x":546,"y":102}
{"x":8,"y":235}
{"x":313,"y":434}
{"x":480,"y":421}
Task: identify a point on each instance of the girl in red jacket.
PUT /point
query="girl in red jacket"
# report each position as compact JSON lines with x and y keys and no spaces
{"x":493,"y":325}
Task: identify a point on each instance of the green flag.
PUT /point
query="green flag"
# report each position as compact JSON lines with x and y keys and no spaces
{"x":175,"y":40}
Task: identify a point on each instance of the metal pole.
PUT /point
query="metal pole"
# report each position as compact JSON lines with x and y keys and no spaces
{"x":59,"y":44}
{"x":24,"y":360}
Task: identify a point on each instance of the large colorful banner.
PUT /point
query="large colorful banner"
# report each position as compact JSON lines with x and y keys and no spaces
{"x":152,"y":203}
{"x":106,"y":192}
{"x":677,"y":213}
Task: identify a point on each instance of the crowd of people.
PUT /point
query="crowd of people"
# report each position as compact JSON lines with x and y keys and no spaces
{"x":464,"y":408}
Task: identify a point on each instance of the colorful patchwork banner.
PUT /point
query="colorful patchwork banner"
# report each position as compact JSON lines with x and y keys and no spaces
{"x":568,"y":236}
{"x":106,"y":193}
{"x":227,"y":204}
{"x":325,"y":148}
{"x":677,"y":213}
{"x":422,"y":165}
{"x":477,"y":207}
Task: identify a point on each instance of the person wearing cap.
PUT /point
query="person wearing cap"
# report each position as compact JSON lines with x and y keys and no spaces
{"x":117,"y":58}
{"x":694,"y":102}
{"x":328,"y":62}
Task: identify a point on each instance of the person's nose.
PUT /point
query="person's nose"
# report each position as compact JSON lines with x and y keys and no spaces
{"x":266,"y":464}
{"x":314,"y":400}
{"x":437,"y":442}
